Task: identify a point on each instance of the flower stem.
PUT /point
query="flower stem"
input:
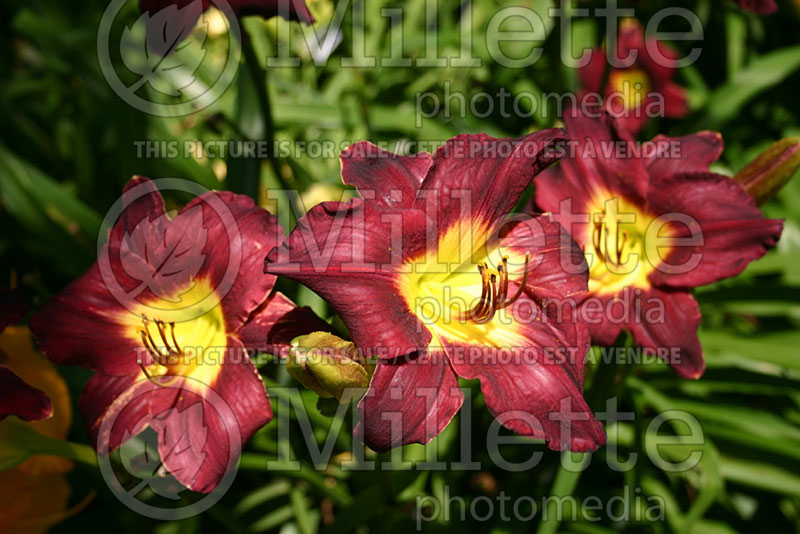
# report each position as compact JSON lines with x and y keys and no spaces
{"x":564,"y":485}
{"x":260,"y":82}
{"x":258,"y":462}
{"x":606,"y":375}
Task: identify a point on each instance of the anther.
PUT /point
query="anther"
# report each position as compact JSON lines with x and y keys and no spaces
{"x":601,"y":237}
{"x":156,"y":381}
{"x":521,"y":286}
{"x":494,"y":292}
{"x":172,"y":348}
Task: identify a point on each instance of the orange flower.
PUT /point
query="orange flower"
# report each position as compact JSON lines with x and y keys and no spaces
{"x":34,"y":494}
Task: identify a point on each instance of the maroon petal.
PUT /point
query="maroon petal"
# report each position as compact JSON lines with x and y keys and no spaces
{"x":732,"y":230}
{"x":242,"y":388}
{"x":600,"y":161}
{"x":106,"y":396}
{"x":480,"y":179}
{"x":408,"y":401}
{"x":388,"y":179}
{"x":227,"y":236}
{"x":136,"y":240}
{"x":661,"y":64}
{"x":557,"y":268}
{"x":141,"y":201}
{"x":82,"y":325}
{"x":194,"y":443}
{"x":760,"y":7}
{"x":348,"y":253}
{"x":531,"y":389}
{"x":676,"y":104}
{"x":13,"y":307}
{"x":200,"y":432}
{"x":275,"y":323}
{"x":168,"y":23}
{"x":19,"y":399}
{"x":604,"y":315}
{"x":288,"y":9}
{"x":631,"y":120}
{"x":562,"y":192}
{"x":653,"y":56}
{"x":689,"y":153}
{"x":668,"y":325}
{"x":591,"y":75}
{"x":630,"y":38}
{"x":219,"y":238}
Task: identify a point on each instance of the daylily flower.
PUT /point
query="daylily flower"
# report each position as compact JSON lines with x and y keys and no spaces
{"x":653,"y":225}
{"x":171,"y":21}
{"x":645,"y":87}
{"x":169,"y":308}
{"x":34,"y":494}
{"x":13,"y":307}
{"x":16,"y":396}
{"x":428,"y":278}
{"x":288,"y":9}
{"x":759,"y":7}
{"x":21,"y":399}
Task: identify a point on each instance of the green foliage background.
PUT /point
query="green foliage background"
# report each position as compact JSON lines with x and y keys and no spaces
{"x":67,"y":148}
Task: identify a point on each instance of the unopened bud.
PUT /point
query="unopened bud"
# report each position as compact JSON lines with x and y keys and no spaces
{"x":765,"y":175}
{"x":327,"y":364}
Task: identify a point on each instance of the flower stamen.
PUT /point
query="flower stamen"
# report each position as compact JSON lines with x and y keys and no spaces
{"x":494,"y":292}
{"x":171,"y":348}
{"x":601,"y":239}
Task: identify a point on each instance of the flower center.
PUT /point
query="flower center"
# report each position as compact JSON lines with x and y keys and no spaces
{"x":618,"y":251}
{"x":457,"y":294}
{"x":632,"y":86}
{"x":611,"y":240}
{"x":189,"y":344}
{"x":169,"y":352}
{"x":494,"y":292}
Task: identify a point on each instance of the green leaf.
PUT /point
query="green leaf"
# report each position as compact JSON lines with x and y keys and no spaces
{"x":761,"y":475}
{"x":19,"y":441}
{"x":771,"y":354}
{"x":762,"y":73}
{"x":41,"y":194}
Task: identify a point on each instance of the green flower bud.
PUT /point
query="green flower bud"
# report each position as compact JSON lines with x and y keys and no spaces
{"x":765,"y":175}
{"x":327,"y":364}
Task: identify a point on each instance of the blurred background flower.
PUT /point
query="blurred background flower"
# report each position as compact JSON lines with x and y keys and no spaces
{"x":34,"y":494}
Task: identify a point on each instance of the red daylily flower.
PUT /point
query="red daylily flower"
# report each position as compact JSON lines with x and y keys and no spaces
{"x":288,"y":9}
{"x":169,"y":22}
{"x":428,"y":232}
{"x":16,"y":396}
{"x":20,"y":399}
{"x":759,"y":7}
{"x":636,"y":215}
{"x":169,"y":308}
{"x":633,"y":91}
{"x":13,"y":307}
{"x":34,"y":493}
